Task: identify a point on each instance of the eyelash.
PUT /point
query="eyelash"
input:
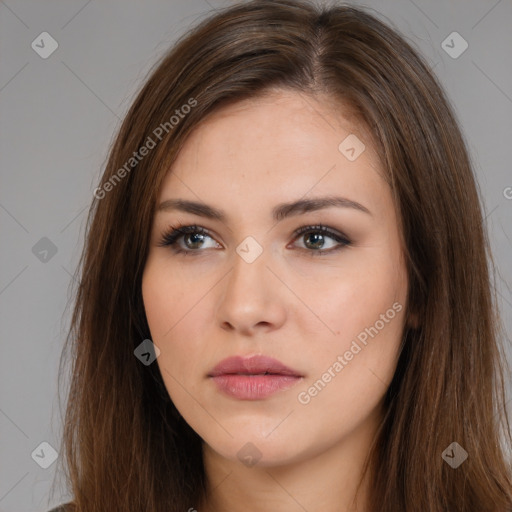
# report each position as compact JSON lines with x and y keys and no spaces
{"x":176,"y":232}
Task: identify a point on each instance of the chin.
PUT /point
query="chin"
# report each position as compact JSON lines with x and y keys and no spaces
{"x":253,"y":450}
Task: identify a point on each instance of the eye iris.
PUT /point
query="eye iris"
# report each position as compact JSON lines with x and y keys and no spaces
{"x":319,"y":238}
{"x":194,"y":235}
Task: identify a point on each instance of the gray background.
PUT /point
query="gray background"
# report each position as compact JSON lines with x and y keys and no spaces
{"x":58,"y":118}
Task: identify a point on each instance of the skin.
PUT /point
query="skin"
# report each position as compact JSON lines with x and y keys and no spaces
{"x":300,"y":308}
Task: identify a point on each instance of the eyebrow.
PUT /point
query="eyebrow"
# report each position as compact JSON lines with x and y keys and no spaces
{"x":279,"y":212}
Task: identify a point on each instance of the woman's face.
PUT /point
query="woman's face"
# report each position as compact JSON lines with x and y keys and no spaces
{"x":252,"y":286}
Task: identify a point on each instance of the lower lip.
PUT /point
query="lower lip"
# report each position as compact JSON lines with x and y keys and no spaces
{"x":253,"y":387}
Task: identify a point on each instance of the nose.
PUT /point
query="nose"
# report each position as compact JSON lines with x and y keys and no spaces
{"x":252,"y":298}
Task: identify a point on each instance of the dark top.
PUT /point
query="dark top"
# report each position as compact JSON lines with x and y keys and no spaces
{"x":66,"y":507}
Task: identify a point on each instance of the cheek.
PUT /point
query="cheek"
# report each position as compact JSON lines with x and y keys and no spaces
{"x":168,"y":299}
{"x":354,"y":296}
{"x":364,"y":309}
{"x":156,"y":297}
{"x":176,"y":321}
{"x":353,"y":369}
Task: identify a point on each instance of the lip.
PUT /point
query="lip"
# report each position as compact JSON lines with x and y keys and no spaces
{"x":253,"y":378}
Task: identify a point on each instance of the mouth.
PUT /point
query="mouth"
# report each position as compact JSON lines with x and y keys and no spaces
{"x":253,"y":378}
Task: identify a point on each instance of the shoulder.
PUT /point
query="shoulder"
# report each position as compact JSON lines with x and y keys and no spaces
{"x":66,"y":507}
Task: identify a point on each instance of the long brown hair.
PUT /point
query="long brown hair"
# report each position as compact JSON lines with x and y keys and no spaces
{"x":126,"y":446}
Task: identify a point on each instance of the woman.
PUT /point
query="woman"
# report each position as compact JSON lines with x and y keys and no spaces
{"x":217,"y":365}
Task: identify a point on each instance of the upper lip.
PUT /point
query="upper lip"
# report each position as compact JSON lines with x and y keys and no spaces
{"x":254,"y":365}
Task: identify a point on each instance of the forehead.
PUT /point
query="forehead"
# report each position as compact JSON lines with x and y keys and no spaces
{"x":281,"y":147}
{"x":276,"y":122}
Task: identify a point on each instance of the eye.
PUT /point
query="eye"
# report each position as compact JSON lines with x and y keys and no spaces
{"x":195,"y":234}
{"x":317,"y":241}
{"x":194,"y":238}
